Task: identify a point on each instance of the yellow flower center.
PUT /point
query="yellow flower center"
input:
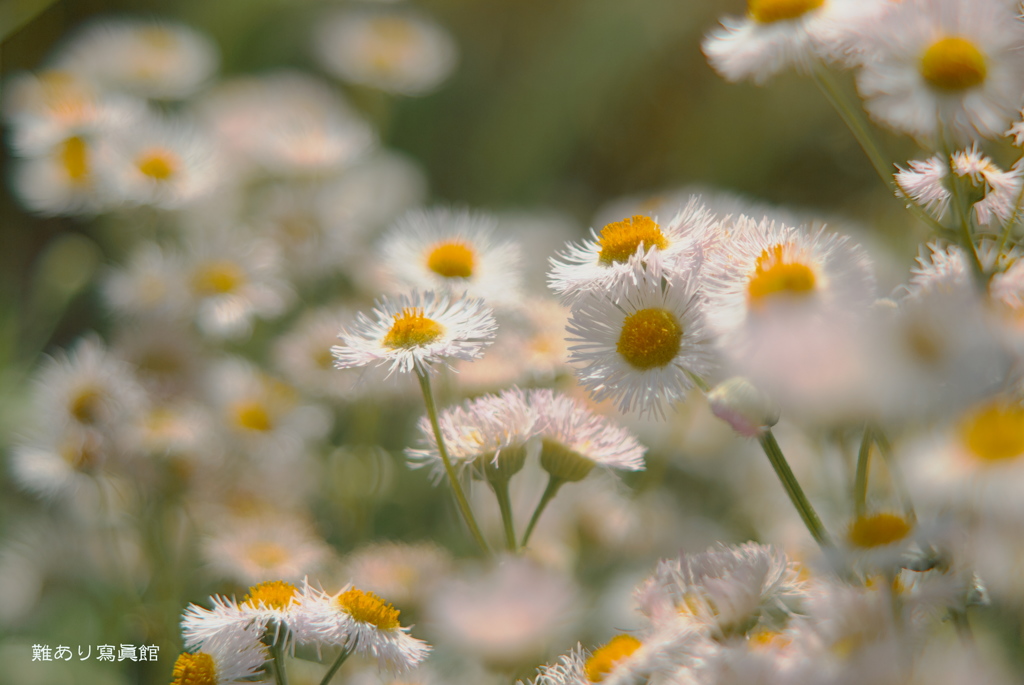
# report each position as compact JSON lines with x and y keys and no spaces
{"x":765,"y":640}
{"x":158,"y":164}
{"x":194,"y":669}
{"x":995,"y":432}
{"x":267,"y":555}
{"x":412,"y":329}
{"x":650,"y":338}
{"x":252,"y":415}
{"x":367,"y":607}
{"x":394,"y":40}
{"x":953,"y":64}
{"x":768,"y":11}
{"x":604,"y":659}
{"x":452,"y":260}
{"x":877,"y":530}
{"x":619,"y":240}
{"x":322,"y":358}
{"x":776,"y":272}
{"x":158,"y":37}
{"x":217,"y":277}
{"x":80,"y":455}
{"x":273,"y":594}
{"x":74,"y":155}
{"x":86,"y":405}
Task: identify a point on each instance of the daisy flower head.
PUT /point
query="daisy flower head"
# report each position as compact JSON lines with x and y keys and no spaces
{"x":924,"y":182}
{"x":263,"y":548}
{"x":232,"y":280}
{"x":489,"y":433}
{"x":453,"y":251}
{"x":236,"y":658}
{"x":622,"y":249}
{"x":62,"y":181}
{"x":877,"y":541}
{"x":394,"y":50}
{"x":153,"y":59}
{"x":90,"y":387}
{"x":365,"y":624}
{"x":725,"y":590}
{"x":167,"y":163}
{"x":638,"y":344}
{"x":415,"y":332}
{"x":949,"y":68}
{"x":773,"y":270}
{"x":575,"y":440}
{"x":977,"y":464}
{"x":773,"y":35}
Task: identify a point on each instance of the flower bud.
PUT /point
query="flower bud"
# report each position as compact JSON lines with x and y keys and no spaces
{"x":748,"y":410}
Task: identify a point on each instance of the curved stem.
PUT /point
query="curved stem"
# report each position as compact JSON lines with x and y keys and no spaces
{"x":854,"y":121}
{"x":500,"y":488}
{"x":796,"y":494}
{"x":963,"y":216}
{"x":549,"y":494}
{"x":885,"y":449}
{"x":277,"y":652}
{"x":460,"y":496}
{"x":860,"y":483}
{"x":345,"y":651}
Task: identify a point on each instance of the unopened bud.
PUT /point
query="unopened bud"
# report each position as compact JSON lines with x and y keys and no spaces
{"x":748,"y":410}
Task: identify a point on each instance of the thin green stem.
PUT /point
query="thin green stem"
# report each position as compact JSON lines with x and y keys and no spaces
{"x":796,"y":494}
{"x":277,"y":652}
{"x":549,"y":494}
{"x":855,"y":121}
{"x":500,"y":488}
{"x":345,"y":651}
{"x":699,"y":382}
{"x":460,"y":496}
{"x":860,"y":482}
{"x":885,"y":449}
{"x":963,"y":215}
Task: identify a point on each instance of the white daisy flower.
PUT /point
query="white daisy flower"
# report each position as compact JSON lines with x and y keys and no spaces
{"x":365,"y":624}
{"x":273,"y":603}
{"x":416,"y":332}
{"x":773,"y":36}
{"x":772,"y":270}
{"x":624,"y":660}
{"x":726,"y":590}
{"x":89,"y":387}
{"x":487,"y":432}
{"x":638,"y":344}
{"x":287,"y":123}
{"x":54,"y":464}
{"x":924,"y":182}
{"x":61,"y":182}
{"x":614,"y":256}
{"x":975,"y":465}
{"x":162,"y":162}
{"x":575,"y":439}
{"x":948,"y":68}
{"x":236,"y":659}
{"x":262,"y":415}
{"x":232,"y":280}
{"x":155,"y":59}
{"x":395,"y":50}
{"x":455,"y":252}
{"x":264,"y":548}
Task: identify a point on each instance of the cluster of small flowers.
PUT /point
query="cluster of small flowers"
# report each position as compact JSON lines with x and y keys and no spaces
{"x":748,"y":614}
{"x":228,"y":643}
